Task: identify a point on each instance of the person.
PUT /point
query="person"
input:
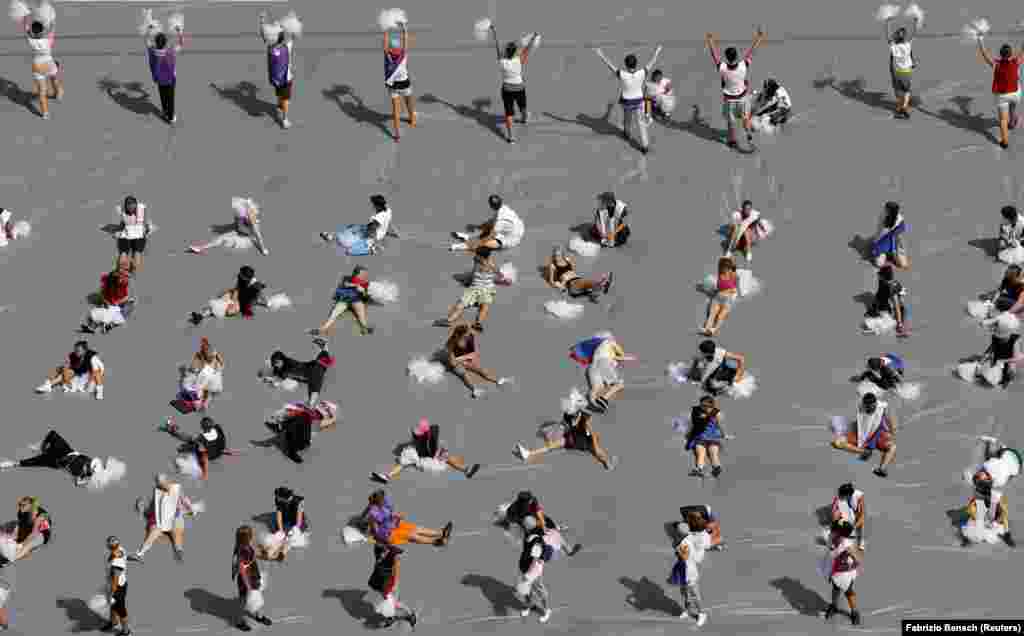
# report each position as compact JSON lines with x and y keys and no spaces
{"x":55,"y":452}
{"x":661,"y":97}
{"x":560,"y":273}
{"x":574,"y":433}
{"x":772,"y":104}
{"x":1005,"y":86}
{"x":291,"y":525}
{"x":1006,"y":298}
{"x":47,"y":83}
{"x":426,"y":452}
{"x":530,"y":587}
{"x":690,"y":553}
{"x":363,"y":240}
{"x":504,"y":230}
{"x":384,"y":581}
{"x":746,"y":230}
{"x":280,"y":43}
{"x":716,"y":369}
{"x":312,"y":373}
{"x":705,"y":435}
{"x":726,"y":293}
{"x":734,"y":72}
{"x":165,"y":517}
{"x":163,"y":65}
{"x":988,"y":511}
{"x":884,"y":372}
{"x":632,"y":98}
{"x":602,"y":356}
{"x":396,"y":77}
{"x":512,"y":62}
{"x":901,"y":64}
{"x":116,"y":302}
{"x":712,"y":524}
{"x":525,"y":506}
{"x":294,"y":425}
{"x":33,"y":530}
{"x":84,"y":371}
{"x":351,"y":294}
{"x":611,"y":227}
{"x":874,"y":428}
{"x":463,"y":359}
{"x":841,"y":566}
{"x":198,"y":450}
{"x":1011,"y":234}
{"x":207,"y":368}
{"x":244,"y":233}
{"x":997,"y":364}
{"x":245,"y":569}
{"x":11,"y":230}
{"x":481,"y":292}
{"x":888,"y":247}
{"x":135,"y":226}
{"x":117,"y":575}
{"x":390,"y":528}
{"x":889,"y":307}
{"x":239,"y":300}
{"x":848,"y":506}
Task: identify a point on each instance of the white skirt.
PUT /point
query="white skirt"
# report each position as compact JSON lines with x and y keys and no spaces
{"x":881,"y":324}
{"x":112,"y":316}
{"x":982,"y":532}
{"x":843,"y":580}
{"x":981,"y":309}
{"x":236,"y":241}
{"x":1012,"y":255}
{"x":278,"y":539}
{"x":211,"y":379}
{"x":992,"y":374}
{"x":8,"y":547}
{"x":906,"y":390}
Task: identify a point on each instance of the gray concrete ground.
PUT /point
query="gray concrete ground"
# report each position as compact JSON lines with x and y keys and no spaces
{"x":822,"y":183}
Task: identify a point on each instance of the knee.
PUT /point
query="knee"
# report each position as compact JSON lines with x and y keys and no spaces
{"x":840,"y":444}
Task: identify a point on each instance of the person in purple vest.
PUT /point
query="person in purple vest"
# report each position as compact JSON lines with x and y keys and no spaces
{"x":280,"y":40}
{"x":163,"y":60}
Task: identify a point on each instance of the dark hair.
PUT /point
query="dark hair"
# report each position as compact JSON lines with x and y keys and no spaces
{"x":246,"y":273}
{"x":657,"y":74}
{"x":525,"y":495}
{"x":630,"y":62}
{"x":378,"y":201}
{"x":130,"y":204}
{"x":281,"y":36}
{"x":1005,"y":51}
{"x":495,"y":202}
{"x":846,"y":490}
{"x":1009,"y":212}
{"x":726,"y":264}
{"x":607,"y":198}
{"x":886,"y":273}
{"x":707,"y":347}
{"x":869,"y":399}
{"x":747,"y":202}
{"x":843,"y":528}
{"x":731,"y":55}
{"x":875,"y":364}
{"x":510,"y":49}
{"x":1004,"y":303}
{"x":160,"y":41}
{"x":82,"y":343}
{"x":696,"y":522}
{"x":278,"y":356}
{"x":900,"y":34}
{"x":357,"y":270}
{"x":207,"y":422}
{"x":484,"y":252}
{"x":283,"y":492}
{"x":243,"y":536}
{"x":37,"y":27}
{"x":892,"y":210}
{"x":770,"y":86}
{"x":707,"y":399}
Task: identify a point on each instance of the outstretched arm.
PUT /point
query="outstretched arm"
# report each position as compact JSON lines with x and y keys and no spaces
{"x":712,"y":44}
{"x":497,"y":46}
{"x":654,"y":59}
{"x":759,"y":36}
{"x":263,"y":21}
{"x":405,"y":36}
{"x":611,"y":67}
{"x":524,"y":55}
{"x":985,"y":54}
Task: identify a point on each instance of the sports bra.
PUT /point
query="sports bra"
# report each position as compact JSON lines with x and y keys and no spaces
{"x":726,"y":284}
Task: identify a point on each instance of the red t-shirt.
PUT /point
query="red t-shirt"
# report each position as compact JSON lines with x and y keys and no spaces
{"x":360,"y":282}
{"x":116,"y":293}
{"x":1006,"y":76}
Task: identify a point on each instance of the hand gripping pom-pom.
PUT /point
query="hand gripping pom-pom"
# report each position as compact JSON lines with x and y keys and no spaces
{"x":19,"y":11}
{"x":574,"y":403}
{"x":271,"y":31}
{"x":149,"y":24}
{"x":176,"y":22}
{"x":45,"y":13}
{"x":22,"y":229}
{"x":980,"y":309}
{"x":390,"y":19}
{"x":278,"y":302}
{"x":915,"y":13}
{"x":113,"y":471}
{"x":482,"y":29}
{"x":292,"y":25}
{"x":887,"y":12}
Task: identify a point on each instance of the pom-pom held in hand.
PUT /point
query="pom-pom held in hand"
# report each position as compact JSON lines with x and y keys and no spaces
{"x":292,"y":25}
{"x":482,"y":29}
{"x":508,"y":273}
{"x":45,"y":13}
{"x":278,"y":302}
{"x":915,"y":13}
{"x":382,"y":292}
{"x":19,"y":11}
{"x":149,"y":24}
{"x":887,"y":12}
{"x":390,"y":19}
{"x":176,"y":22}
{"x":975,"y":30}
{"x":271,"y":31}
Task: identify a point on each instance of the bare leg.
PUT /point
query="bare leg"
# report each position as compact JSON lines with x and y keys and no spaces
{"x":136,"y":265}
{"x":283,"y":104}
{"x":483,"y":312}
{"x":456,"y":312}
{"x":410,"y":108}
{"x":336,"y":312}
{"x":395,"y":471}
{"x":152,"y":535}
{"x":700,"y":456}
{"x":486,"y":374}
{"x":843,"y":445}
{"x":396,"y":112}
{"x":888,"y":456}
{"x":359,"y":309}
{"x":1004,"y":127}
{"x":548,"y":446}
{"x":613,"y":391}
{"x":58,"y":88}
{"x":714,"y":452}
{"x":44,"y":98}
{"x":599,"y":452}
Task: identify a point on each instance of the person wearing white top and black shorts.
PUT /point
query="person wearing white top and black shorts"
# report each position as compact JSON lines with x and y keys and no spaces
{"x":901,"y":65}
{"x":396,"y":77}
{"x":632,"y":94}
{"x":512,"y":63}
{"x":134,"y":232}
{"x":117,"y":564}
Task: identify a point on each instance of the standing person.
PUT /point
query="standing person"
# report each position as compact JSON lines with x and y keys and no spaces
{"x":888,"y":246}
{"x":873,"y":429}
{"x":735,"y":72}
{"x":384,"y":581}
{"x":712,"y":524}
{"x":163,"y":62}
{"x":746,"y":230}
{"x":632,"y":94}
{"x":46,"y":71}
{"x":83,"y":372}
{"x":705,"y":435}
{"x":689,"y":554}
{"x":530,"y":588}
{"x":512,"y":62}
{"x":396,"y":77}
{"x":279,"y":37}
{"x":841,"y":566}
{"x":245,"y":569}
{"x":165,"y":517}
{"x":117,"y":569}
{"x":134,"y":228}
{"x":901,"y":64}
{"x":726,"y":292}
{"x":504,"y":230}
{"x":1005,"y":86}
{"x":661,"y":97}
{"x":848,"y":506}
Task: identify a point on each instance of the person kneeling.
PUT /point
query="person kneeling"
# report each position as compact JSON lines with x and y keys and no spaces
{"x":705,"y":436}
{"x":427,"y":453}
{"x":291,"y":526}
{"x":84,"y":372}
{"x":874,"y":429}
{"x":295,"y":426}
{"x":610,"y":227}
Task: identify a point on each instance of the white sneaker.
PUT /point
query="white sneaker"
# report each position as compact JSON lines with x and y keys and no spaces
{"x":749,"y":256}
{"x":684,"y":616}
{"x":504,"y":381}
{"x":462,"y":236}
{"x":7,"y":464}
{"x":526,"y":612}
{"x":99,"y":393}
{"x":988,"y":438}
{"x":702,"y":619}
{"x":545,"y":617}
{"x":477,"y":392}
{"x":457,"y":247}
{"x":46,"y":116}
{"x":45,"y":387}
{"x":521,"y":452}
{"x":286,"y":124}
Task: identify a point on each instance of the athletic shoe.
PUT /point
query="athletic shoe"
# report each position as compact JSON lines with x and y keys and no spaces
{"x":526,"y":612}
{"x":881,"y":472}
{"x":613,"y":462}
{"x":855,"y":617}
{"x":8,"y":464}
{"x":286,"y":124}
{"x":716,"y":471}
{"x":866,"y":455}
{"x":245,"y":627}
{"x":603,"y":403}
{"x":545,"y":617}
{"x":830,"y":611}
{"x":457,"y":247}
{"x":295,"y":458}
{"x":413,"y":619}
{"x":108,"y":627}
{"x":1008,"y":540}
{"x":46,"y":116}
{"x":606,"y":286}
{"x":477,"y":393}
{"x":45,"y":387}
{"x":265,"y":620}
{"x":462,"y":236}
{"x":521,"y":452}
{"x":474,"y":469}
{"x":380,"y":478}
{"x":697,"y":472}
{"x":701,"y":619}
{"x":136,"y":558}
{"x":195,"y":318}
{"x":511,"y":140}
{"x":504,"y":381}
{"x":575,"y":549}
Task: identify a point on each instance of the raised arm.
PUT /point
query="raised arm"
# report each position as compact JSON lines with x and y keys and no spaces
{"x":759,"y":36}
{"x":611,"y":67}
{"x":524,"y":55}
{"x":985,"y":54}
{"x":497,"y":45}
{"x":148,"y":37}
{"x":654,"y":59}
{"x":711,"y":42}
{"x":263,"y":22}
{"x":405,"y":36}
{"x":741,"y":363}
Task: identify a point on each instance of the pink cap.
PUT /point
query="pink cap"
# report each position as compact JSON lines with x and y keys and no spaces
{"x":423,"y":427}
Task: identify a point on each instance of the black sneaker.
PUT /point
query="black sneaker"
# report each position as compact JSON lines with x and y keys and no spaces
{"x":716,"y":471}
{"x":472,"y":471}
{"x":731,"y":144}
{"x":326,"y":236}
{"x":855,"y":614}
{"x":196,"y":318}
{"x":881,"y":472}
{"x":607,"y":286}
{"x":830,"y":611}
{"x":245,"y":627}
{"x":320,"y":342}
{"x":107,"y":628}
{"x":1008,"y":540}
{"x":84,"y":328}
{"x":136,"y":558}
{"x":179,"y":556}
{"x":265,"y":620}
{"x":446,"y":533}
{"x":697,"y":472}
{"x":413,"y":619}
{"x":380,"y":478}
{"x":295,"y":458}
{"x":387,"y":623}
{"x":866,"y":455}
{"x":575,"y":549}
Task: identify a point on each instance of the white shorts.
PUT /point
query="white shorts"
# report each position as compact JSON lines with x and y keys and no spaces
{"x":1005,"y":100}
{"x":400,"y":92}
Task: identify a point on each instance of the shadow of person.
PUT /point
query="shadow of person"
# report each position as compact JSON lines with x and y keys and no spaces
{"x":355,"y":603}
{"x":357,"y":109}
{"x":867,"y":299}
{"x":961,"y":117}
{"x":83,"y":618}
{"x":203,"y":602}
{"x":499,"y":594}
{"x":599,"y":125}
{"x":988,"y":245}
{"x":856,"y":89}
{"x":861,"y":245}
{"x":645,"y":594}
{"x":245,"y":95}
{"x":478,"y":111}
{"x":800,"y":597}
{"x":957,"y":517}
{"x":131,"y":96}
{"x":17,"y":96}
{"x":698,"y":126}
{"x":267,"y":519}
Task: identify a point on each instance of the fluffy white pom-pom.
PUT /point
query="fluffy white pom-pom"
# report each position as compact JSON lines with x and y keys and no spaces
{"x":535,"y":42}
{"x":584,"y":248}
{"x":8,"y":547}
{"x":288,"y":384}
{"x":482,"y":29}
{"x":198,"y":507}
{"x":980,"y":309}
{"x":5,"y":593}
{"x":188,"y":465}
{"x":709,"y":284}
{"x":678,"y":373}
{"x":176,"y":22}
{"x":915,"y":13}
{"x":236,"y":241}
{"x":352,"y":536}
{"x":575,"y":402}
{"x":45,"y":13}
{"x":22,"y":229}
{"x":219,"y":307}
{"x":107,"y":316}
{"x":271,"y":31}
{"x":1012,"y":255}
{"x":763,"y":124}
{"x":508,"y":273}
{"x":149,"y":23}
{"x":982,"y":532}
{"x":991,"y":373}
{"x":107,"y":474}
{"x":981,"y":26}
{"x":746,"y":283}
{"x":254,"y":601}
{"x":19,"y":10}
{"x":880,"y":325}
{"x":409,"y":456}
{"x":563,"y":309}
{"x":279,"y":301}
{"x":887,"y":12}
{"x":975,"y":30}
{"x":432,"y":465}
{"x":383,"y":292}
{"x":967,"y":371}
{"x":744,"y":388}
{"x":765,"y":229}
{"x":100,"y":605}
{"x":1006,"y":324}
{"x":391,"y":19}
{"x":909,"y":390}
{"x":292,"y":25}
{"x":426,"y":371}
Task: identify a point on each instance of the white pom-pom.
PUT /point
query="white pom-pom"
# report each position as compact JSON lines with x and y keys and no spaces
{"x":763,"y":124}
{"x":111,"y":316}
{"x":45,"y":13}
{"x":5,"y":593}
{"x":19,"y":10}
{"x":909,"y":390}
{"x":746,"y":283}
{"x":508,"y":273}
{"x":765,"y":229}
{"x":563,"y":309}
{"x":744,"y":388}
{"x":880,"y":325}
{"x":149,"y":24}
{"x":1012,"y":255}
{"x":176,"y":22}
{"x":391,"y":19}
{"x":383,"y":292}
{"x":288,"y":384}
{"x":432,"y":465}
{"x":408,"y":456}
{"x":8,"y":547}
{"x":22,"y":229}
{"x":188,"y":465}
{"x":292,"y":25}
{"x":107,"y":474}
{"x":352,"y":536}
{"x":198,"y":507}
{"x":426,"y":371}
{"x":584,"y":248}
{"x":967,"y":371}
{"x":236,"y":241}
{"x":219,"y":307}
{"x":980,"y":309}
{"x":535,"y":42}
{"x":982,"y":26}
{"x":271,"y":31}
{"x":279,"y":301}
{"x":887,"y":12}
{"x":678,"y":373}
{"x":1006,"y":324}
{"x":574,"y":403}
{"x":839,"y":425}
{"x":482,"y":29}
{"x":915,"y":13}
{"x":254,"y":601}
{"x":100,"y":605}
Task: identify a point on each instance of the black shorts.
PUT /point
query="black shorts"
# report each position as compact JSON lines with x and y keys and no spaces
{"x":513,"y":99}
{"x":118,"y":606}
{"x":131,"y":246}
{"x":284,"y":92}
{"x":577,"y":442}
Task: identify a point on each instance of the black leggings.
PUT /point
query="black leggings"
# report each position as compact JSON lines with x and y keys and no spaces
{"x":296,"y":433}
{"x":118,"y":607}
{"x":52,"y":454}
{"x":513,"y":100}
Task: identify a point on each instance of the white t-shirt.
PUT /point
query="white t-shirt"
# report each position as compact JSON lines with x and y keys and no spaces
{"x":508,"y":226}
{"x":697,"y":542}
{"x":632,"y":83}
{"x":118,"y":568}
{"x":734,"y":80}
{"x":384,"y":220}
{"x":848,"y":509}
{"x":134,"y":226}
{"x":511,"y":71}
{"x":902,"y":58}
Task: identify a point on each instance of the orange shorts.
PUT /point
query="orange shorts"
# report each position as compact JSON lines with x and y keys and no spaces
{"x":402,"y":534}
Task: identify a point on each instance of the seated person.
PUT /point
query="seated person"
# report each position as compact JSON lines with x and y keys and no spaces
{"x":33,"y":530}
{"x":295,"y":424}
{"x":11,"y":230}
{"x":239,"y":300}
{"x":746,"y":230}
{"x":312,"y":373}
{"x":351,"y":294}
{"x":712,"y":524}
{"x":463,"y":360}
{"x":575,"y":433}
{"x":389,"y":527}
{"x":199,"y":450}
{"x":201,"y":379}
{"x":610,"y":228}
{"x":772,"y":104}
{"x":363,"y":240}
{"x":660,"y":95}
{"x":83,"y":372}
{"x":705,"y":435}
{"x":291,"y":525}
{"x":988,"y":516}
{"x":717,"y":369}
{"x":1011,"y":234}
{"x":884,"y":373}
{"x":115,"y":300}
{"x":504,"y":230}
{"x":560,"y":273}
{"x":245,"y":230}
{"x":426,"y":452}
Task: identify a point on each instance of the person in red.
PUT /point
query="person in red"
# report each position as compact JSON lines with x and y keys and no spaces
{"x":115,"y":300}
{"x":352,"y":294}
{"x":1005,"y":86}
